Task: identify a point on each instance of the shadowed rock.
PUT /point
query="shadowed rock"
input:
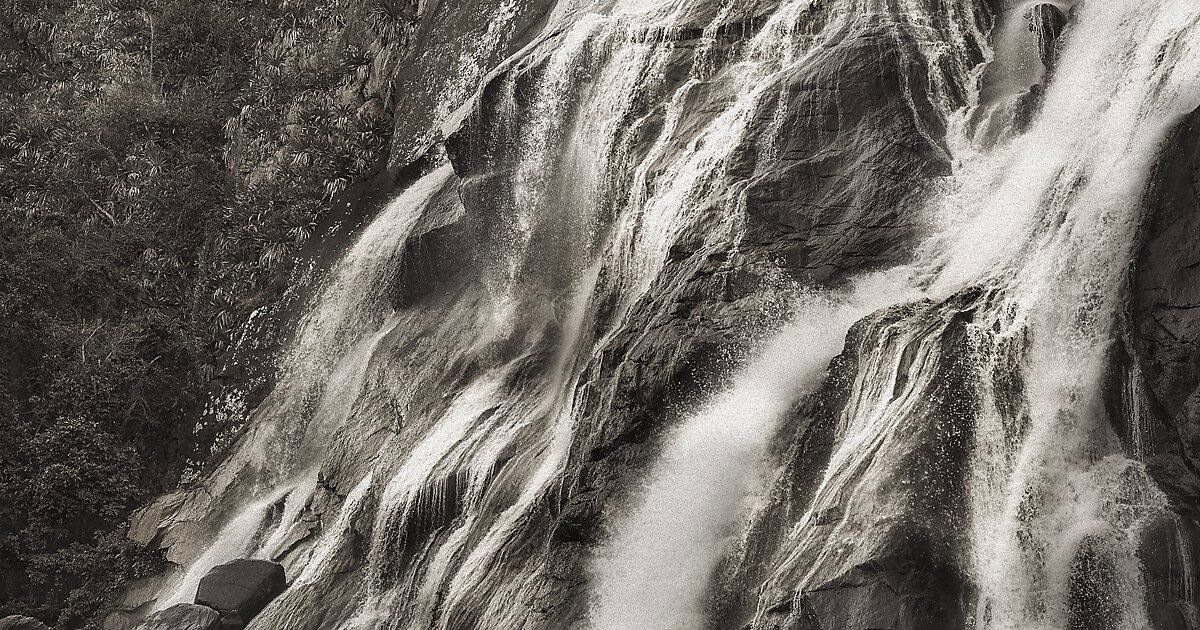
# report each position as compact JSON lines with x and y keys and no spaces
{"x":902,"y":593}
{"x":1092,"y":600}
{"x":183,"y":617}
{"x":1165,"y":313}
{"x":1165,"y":554}
{"x":1047,"y":22}
{"x":241,"y":587}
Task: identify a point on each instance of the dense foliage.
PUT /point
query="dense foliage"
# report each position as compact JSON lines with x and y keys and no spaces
{"x":160,"y":160}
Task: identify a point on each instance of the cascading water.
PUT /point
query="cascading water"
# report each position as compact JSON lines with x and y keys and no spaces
{"x":711,"y":470}
{"x":1039,"y":223}
{"x":440,"y":458}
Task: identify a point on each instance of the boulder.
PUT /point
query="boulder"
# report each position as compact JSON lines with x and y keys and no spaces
{"x":241,"y":587}
{"x":183,"y":617}
{"x":1047,"y":23}
{"x":17,"y":622}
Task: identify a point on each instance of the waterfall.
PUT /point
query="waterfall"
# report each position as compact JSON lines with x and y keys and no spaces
{"x":522,"y":446}
{"x":711,"y":469}
{"x":1065,"y":488}
{"x":1042,"y":222}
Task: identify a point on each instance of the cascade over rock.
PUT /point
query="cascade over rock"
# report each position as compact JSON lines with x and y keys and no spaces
{"x":771,"y":314}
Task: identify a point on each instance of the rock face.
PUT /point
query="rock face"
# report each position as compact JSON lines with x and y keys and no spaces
{"x":1166,"y":297}
{"x":241,"y":587}
{"x":17,"y":622}
{"x":1047,"y":23}
{"x":595,"y":240}
{"x":183,"y":617}
{"x":885,"y":594}
{"x":1165,"y":333}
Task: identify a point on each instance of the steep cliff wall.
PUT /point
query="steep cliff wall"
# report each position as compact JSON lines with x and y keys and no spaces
{"x":774,"y":315}
{"x":1167,"y":348}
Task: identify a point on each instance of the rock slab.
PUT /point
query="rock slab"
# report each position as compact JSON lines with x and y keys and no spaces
{"x":241,"y":587}
{"x":183,"y":617}
{"x":18,"y":622}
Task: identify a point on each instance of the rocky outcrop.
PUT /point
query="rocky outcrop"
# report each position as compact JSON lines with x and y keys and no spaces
{"x":183,"y":617}
{"x":1047,"y":22}
{"x":1166,"y":314}
{"x":898,"y":593}
{"x":852,"y":150}
{"x":909,"y":573}
{"x":1165,"y":554}
{"x":1165,"y":322}
{"x":18,"y":622}
{"x":241,"y":589}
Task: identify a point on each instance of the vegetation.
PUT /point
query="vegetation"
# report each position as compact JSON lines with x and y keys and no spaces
{"x":160,"y":160}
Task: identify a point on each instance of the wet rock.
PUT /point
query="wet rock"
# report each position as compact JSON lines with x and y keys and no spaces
{"x":1093,"y":602}
{"x":183,"y":617}
{"x":419,"y":92}
{"x":913,"y":578}
{"x":18,"y":622}
{"x":1165,"y":369}
{"x":1026,"y":107}
{"x":1165,"y":554}
{"x":908,"y":592}
{"x":851,"y":152}
{"x":241,"y":587}
{"x":1165,"y":305}
{"x":1047,"y":22}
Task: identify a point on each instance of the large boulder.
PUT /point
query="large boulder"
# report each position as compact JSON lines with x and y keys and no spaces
{"x":183,"y":617}
{"x":241,"y":587}
{"x":17,"y":622}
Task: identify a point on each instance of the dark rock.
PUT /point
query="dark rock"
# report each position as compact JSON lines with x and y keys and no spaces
{"x":1047,"y":22}
{"x":1166,"y":320}
{"x":1164,"y":552}
{"x":1026,"y":107}
{"x":231,"y":621}
{"x":913,"y":579}
{"x":183,"y":617}
{"x":17,"y":622}
{"x":828,"y":214}
{"x":907,"y":592}
{"x":241,"y":587}
{"x":1166,"y":368}
{"x":1093,"y":602}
